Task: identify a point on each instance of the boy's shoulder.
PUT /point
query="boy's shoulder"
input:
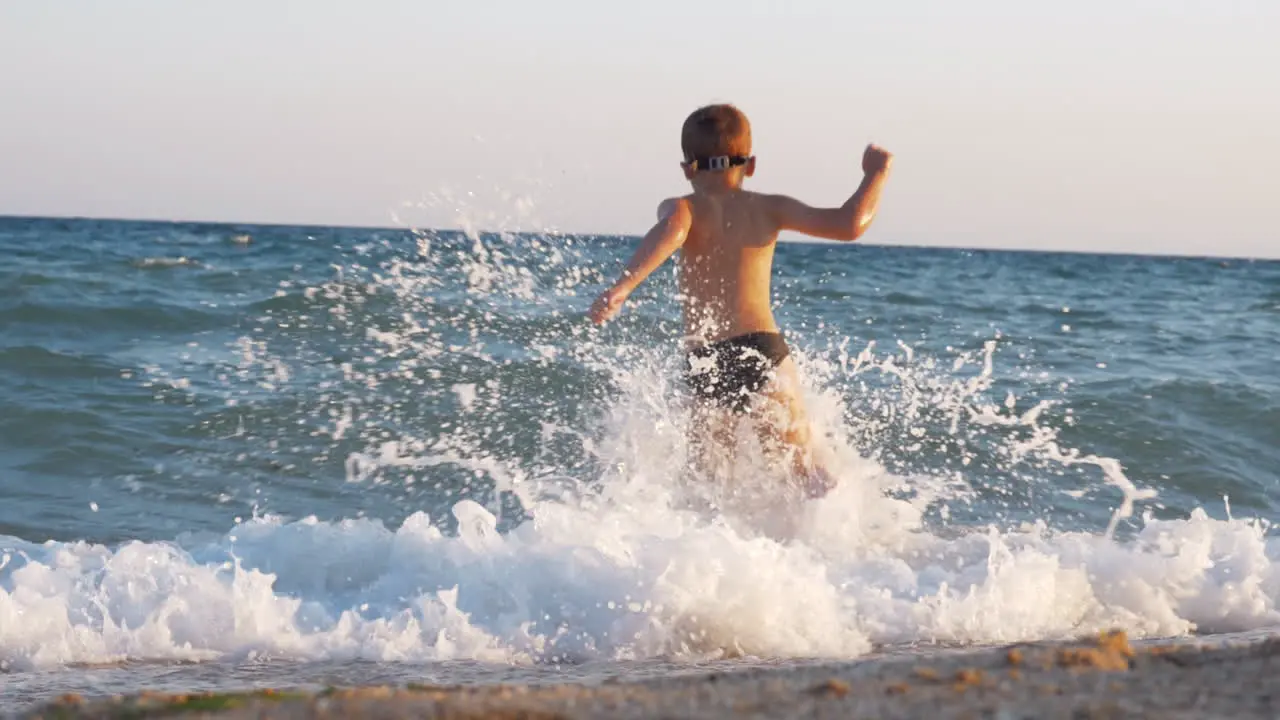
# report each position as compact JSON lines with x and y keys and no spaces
{"x":689,"y":201}
{"x":767,"y":206}
{"x":676,"y":208}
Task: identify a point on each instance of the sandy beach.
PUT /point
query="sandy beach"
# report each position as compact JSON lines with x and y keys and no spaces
{"x":1103,"y":677}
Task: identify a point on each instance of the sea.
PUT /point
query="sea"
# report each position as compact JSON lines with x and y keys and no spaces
{"x":237,"y":456}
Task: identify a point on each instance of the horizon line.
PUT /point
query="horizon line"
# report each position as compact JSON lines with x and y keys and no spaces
{"x":555,"y":232}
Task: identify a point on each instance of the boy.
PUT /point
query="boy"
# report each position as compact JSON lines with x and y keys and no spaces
{"x":736,"y":358}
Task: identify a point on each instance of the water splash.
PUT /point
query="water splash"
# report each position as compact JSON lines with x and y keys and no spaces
{"x":565,"y":522}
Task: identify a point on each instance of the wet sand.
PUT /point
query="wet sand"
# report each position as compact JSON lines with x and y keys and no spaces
{"x":1103,"y":677}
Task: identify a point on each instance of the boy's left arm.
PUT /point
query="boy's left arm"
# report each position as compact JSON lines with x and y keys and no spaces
{"x":663,"y":239}
{"x":847,"y":222}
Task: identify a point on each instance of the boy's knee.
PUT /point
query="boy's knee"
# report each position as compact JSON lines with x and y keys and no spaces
{"x":797,"y":433}
{"x":787,"y":425}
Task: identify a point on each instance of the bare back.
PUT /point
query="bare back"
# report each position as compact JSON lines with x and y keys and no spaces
{"x":726,"y":266}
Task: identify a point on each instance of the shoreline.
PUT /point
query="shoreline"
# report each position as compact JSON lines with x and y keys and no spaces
{"x":1101,"y":677}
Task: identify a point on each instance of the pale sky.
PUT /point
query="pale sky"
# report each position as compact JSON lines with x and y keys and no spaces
{"x":1124,"y":125}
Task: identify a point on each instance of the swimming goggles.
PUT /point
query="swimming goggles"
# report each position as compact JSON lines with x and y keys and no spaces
{"x":719,"y":162}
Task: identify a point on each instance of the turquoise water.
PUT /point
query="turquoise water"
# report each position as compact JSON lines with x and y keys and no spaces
{"x":293,"y":453}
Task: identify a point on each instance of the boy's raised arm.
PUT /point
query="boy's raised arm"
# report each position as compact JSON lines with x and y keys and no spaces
{"x":847,"y":222}
{"x":663,"y":239}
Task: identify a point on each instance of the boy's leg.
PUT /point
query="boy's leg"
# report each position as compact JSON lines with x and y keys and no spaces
{"x":710,"y":438}
{"x":781,"y":418}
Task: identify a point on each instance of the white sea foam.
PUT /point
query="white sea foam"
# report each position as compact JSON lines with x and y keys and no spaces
{"x":657,"y":562}
{"x":630,"y":582}
{"x":165,"y":262}
{"x":634,"y":572}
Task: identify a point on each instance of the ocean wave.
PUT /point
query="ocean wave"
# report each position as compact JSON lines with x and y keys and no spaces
{"x":162,"y":263}
{"x":34,"y":361}
{"x":591,"y":583}
{"x":90,"y":318}
{"x":433,"y":457}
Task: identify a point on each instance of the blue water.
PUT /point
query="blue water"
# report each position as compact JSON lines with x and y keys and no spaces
{"x":278,"y":453}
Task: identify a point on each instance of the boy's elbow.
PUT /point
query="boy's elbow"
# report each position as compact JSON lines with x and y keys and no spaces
{"x":858,"y":228}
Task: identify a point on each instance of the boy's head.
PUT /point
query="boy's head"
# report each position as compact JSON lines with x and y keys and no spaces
{"x":716,"y":138}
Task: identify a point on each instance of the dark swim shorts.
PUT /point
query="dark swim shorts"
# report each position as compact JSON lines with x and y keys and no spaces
{"x":731,"y":371}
